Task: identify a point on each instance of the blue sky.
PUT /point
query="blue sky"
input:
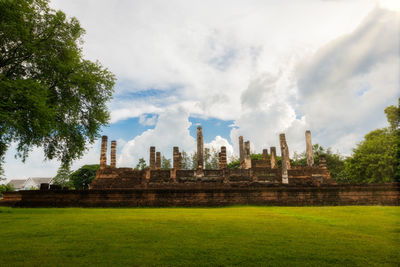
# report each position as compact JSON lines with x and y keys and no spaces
{"x":267,"y":67}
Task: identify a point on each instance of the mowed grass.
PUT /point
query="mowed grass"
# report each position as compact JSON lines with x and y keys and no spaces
{"x":257,"y":236}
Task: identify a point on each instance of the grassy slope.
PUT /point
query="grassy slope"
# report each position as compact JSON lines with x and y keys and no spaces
{"x":361,"y":236}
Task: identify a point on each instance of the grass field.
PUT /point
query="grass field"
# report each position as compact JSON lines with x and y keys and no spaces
{"x":258,"y":236}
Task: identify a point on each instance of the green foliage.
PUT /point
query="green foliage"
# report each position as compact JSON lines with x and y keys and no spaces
{"x":228,"y":236}
{"x":375,"y":159}
{"x":165,"y":163}
{"x":334,"y":161}
{"x":211,"y":159}
{"x":82,"y":177}
{"x":141,"y":165}
{"x":186,"y":161}
{"x":234,"y":163}
{"x":50,"y":96}
{"x":62,"y":177}
{"x":256,"y":156}
{"x":6,"y":188}
{"x":393,"y":116}
{"x":194,"y":160}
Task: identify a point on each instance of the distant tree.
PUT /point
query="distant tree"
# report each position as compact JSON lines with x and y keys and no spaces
{"x":211,"y":159}
{"x":82,"y":177}
{"x":254,"y":156}
{"x":194,"y":160}
{"x":165,"y":163}
{"x":6,"y":188}
{"x":50,"y":96}
{"x":186,"y":161}
{"x":376,"y":158}
{"x":334,"y":161}
{"x":141,"y":165}
{"x":62,"y":177}
{"x":234,"y":163}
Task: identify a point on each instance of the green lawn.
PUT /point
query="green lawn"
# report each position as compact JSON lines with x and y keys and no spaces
{"x":278,"y":236}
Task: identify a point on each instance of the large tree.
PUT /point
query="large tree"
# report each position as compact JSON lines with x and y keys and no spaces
{"x":82,"y":177}
{"x":50,"y":96}
{"x":376,"y":158}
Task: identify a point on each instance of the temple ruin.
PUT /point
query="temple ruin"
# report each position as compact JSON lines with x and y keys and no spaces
{"x":251,"y":172}
{"x":270,"y":180}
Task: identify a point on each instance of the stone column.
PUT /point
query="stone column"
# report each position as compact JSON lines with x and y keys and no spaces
{"x":273,"y":157}
{"x":175,"y":157}
{"x":113,"y":163}
{"x":282,"y":139}
{"x":200,"y":148}
{"x":158,"y":160}
{"x":285,"y":176}
{"x":152,"y":157}
{"x":309,"y":150}
{"x":247,"y":158}
{"x":222,"y":157}
{"x":241,"y":151}
{"x":265,"y":154}
{"x":103,"y":152}
{"x":322,"y":162}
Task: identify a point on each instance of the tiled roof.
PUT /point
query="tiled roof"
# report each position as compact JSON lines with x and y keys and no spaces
{"x":17,"y":183}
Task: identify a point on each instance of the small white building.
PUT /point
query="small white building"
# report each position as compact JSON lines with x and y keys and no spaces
{"x":30,"y":183}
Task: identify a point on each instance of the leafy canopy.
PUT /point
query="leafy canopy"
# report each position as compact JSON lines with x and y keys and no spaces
{"x":376,"y":158}
{"x":82,"y":177}
{"x":50,"y":96}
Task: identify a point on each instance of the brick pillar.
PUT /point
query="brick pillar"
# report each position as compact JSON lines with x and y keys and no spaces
{"x":309,"y":149}
{"x":113,"y":163}
{"x":241,"y":151}
{"x":285,"y":176}
{"x":200,"y":148}
{"x":158,"y":160}
{"x":247,"y":158}
{"x":274,"y":164}
{"x":282,"y":139}
{"x":152,"y":157}
{"x":103,"y":152}
{"x":175,"y":157}
{"x":265,"y":154}
{"x":222,"y":158}
{"x":322,"y":162}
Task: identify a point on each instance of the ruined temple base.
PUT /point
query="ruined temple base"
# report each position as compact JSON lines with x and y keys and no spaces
{"x":272,"y":195}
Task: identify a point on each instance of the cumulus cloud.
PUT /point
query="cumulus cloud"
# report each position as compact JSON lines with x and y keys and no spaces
{"x":346,"y":85}
{"x":148,"y":120}
{"x":172,"y":129}
{"x":202,"y":55}
{"x":218,"y":142}
{"x":269,"y":66}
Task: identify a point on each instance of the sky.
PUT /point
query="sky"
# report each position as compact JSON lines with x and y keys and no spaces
{"x":251,"y":68}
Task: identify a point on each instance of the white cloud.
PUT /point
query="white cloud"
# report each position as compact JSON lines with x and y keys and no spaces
{"x":346,"y":85}
{"x":203,"y":54}
{"x":148,"y":120}
{"x":172,"y":129}
{"x":36,"y":166}
{"x":218,"y":142}
{"x":234,"y":60}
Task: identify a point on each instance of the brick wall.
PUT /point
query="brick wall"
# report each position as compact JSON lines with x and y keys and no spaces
{"x":210,"y":194}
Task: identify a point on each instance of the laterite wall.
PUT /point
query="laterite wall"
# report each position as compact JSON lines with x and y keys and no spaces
{"x":290,"y":195}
